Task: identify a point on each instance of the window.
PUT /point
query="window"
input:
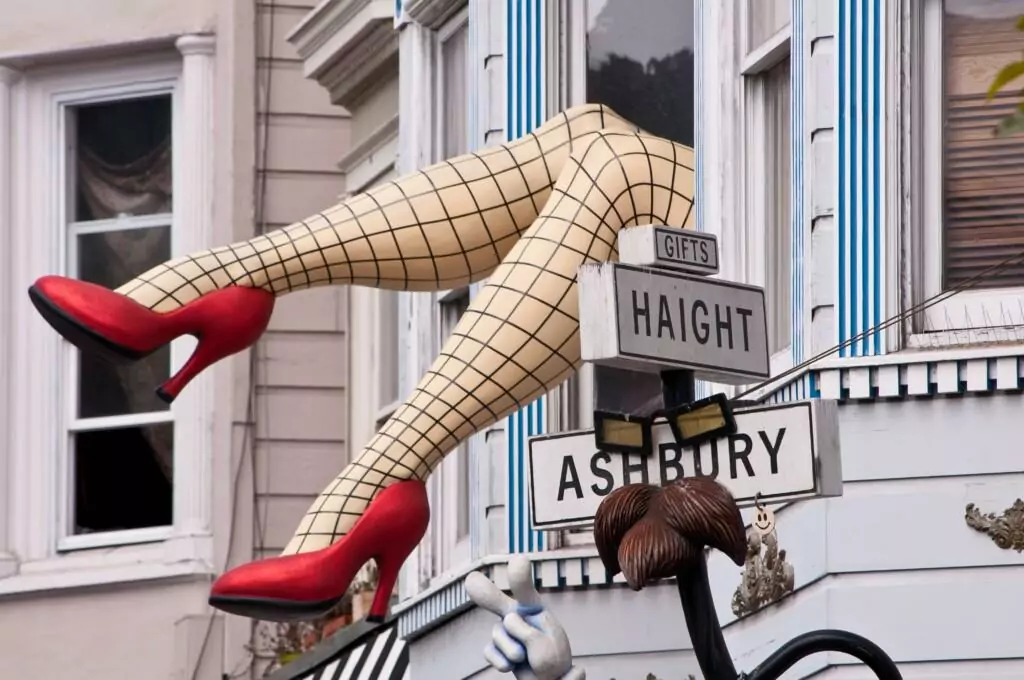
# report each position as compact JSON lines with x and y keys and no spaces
{"x":452,"y":87}
{"x":451,"y":509}
{"x":450,"y":506}
{"x":768,"y":155}
{"x":973,"y":215}
{"x":651,"y":82}
{"x":118,"y":208}
{"x":100,"y":194}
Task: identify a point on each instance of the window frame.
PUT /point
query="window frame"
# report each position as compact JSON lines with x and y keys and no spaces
{"x":924,"y":178}
{"x":35,"y":439}
{"x":756,"y":63}
{"x":442,"y":550}
{"x":67,"y":540}
{"x":571,"y":408}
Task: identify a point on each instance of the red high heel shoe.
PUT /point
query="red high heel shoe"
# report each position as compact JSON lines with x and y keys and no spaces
{"x":99,"y":321}
{"x":308,"y":585}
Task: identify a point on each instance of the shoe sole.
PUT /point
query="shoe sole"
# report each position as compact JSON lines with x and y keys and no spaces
{"x":281,"y":611}
{"x":80,"y":336}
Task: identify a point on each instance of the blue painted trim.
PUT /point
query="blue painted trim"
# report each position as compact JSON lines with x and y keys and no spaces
{"x":797,"y":208}
{"x":524,"y":110}
{"x":860,"y":205}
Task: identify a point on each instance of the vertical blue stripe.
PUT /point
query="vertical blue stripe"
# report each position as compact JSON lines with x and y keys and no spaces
{"x":843,"y":125}
{"x":879,"y":273}
{"x":524,"y":110}
{"x":860,"y":206}
{"x":797,"y":146}
{"x":701,"y":388}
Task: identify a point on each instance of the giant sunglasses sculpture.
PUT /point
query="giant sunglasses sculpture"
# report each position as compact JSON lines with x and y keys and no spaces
{"x":523,"y":215}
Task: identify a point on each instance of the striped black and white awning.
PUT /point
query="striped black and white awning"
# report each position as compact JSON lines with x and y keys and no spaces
{"x":361,"y":651}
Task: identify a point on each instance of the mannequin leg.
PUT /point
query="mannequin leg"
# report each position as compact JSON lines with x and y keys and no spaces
{"x":520,"y":336}
{"x":442,"y":227}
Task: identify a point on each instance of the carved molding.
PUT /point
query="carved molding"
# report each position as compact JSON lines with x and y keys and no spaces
{"x":432,"y":13}
{"x":1006,"y":529}
{"x":767,"y":577}
{"x":347,"y":46}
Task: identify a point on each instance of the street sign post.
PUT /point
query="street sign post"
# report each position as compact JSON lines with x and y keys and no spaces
{"x":779,"y":453}
{"x":649,"y":319}
{"x":684,"y":250}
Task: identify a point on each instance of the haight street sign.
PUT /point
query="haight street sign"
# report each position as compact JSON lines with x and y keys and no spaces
{"x":650,"y":319}
{"x":670,"y":247}
{"x":785,"y":452}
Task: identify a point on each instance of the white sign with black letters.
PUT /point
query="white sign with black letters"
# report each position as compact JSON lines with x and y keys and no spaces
{"x":685,"y":250}
{"x":649,"y":319}
{"x":786,"y":452}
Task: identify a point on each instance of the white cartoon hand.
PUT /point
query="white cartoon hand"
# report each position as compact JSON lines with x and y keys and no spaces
{"x":529,"y":641}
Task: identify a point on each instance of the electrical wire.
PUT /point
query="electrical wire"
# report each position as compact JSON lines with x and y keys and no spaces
{"x":892,"y":321}
{"x":246,"y":445}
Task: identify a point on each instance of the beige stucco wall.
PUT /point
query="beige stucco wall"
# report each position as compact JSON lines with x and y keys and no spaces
{"x":115,"y":634}
{"x":29,"y":28}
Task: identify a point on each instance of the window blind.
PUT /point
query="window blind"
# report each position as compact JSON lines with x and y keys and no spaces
{"x":983,"y":174}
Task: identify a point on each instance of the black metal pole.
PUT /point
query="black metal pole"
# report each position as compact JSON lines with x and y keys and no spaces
{"x":873,"y":656}
{"x":709,"y":646}
{"x":694,"y":588}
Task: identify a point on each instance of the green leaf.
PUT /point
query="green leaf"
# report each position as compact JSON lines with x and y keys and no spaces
{"x":1012,"y":124}
{"x":1020,"y":24}
{"x":1007,"y":74}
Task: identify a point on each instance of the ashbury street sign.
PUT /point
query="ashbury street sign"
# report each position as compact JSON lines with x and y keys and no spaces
{"x":783,"y":453}
{"x":647,"y":319}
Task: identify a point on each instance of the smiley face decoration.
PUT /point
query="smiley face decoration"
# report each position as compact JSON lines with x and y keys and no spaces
{"x":524,"y":216}
{"x":764,"y":520}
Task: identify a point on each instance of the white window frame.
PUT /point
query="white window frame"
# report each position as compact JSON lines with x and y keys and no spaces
{"x":442,"y":550}
{"x":40,"y":358}
{"x":65,"y":102}
{"x":967,"y":310}
{"x":756,"y":62}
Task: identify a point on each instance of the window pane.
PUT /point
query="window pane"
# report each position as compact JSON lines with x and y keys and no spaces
{"x":110,"y":259}
{"x":123,"y":479}
{"x":122,"y":158}
{"x":983,"y":174}
{"x":765,"y":18}
{"x":454,"y":55}
{"x":778,"y":231}
{"x":648,"y":80}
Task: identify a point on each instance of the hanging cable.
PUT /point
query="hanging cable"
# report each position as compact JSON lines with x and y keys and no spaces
{"x":891,"y":321}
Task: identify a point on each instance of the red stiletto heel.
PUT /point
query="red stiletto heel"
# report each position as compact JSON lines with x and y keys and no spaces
{"x":99,"y":321}
{"x":308,"y":585}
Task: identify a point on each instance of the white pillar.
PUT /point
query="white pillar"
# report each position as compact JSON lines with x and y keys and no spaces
{"x":193,"y":215}
{"x":8,"y":77}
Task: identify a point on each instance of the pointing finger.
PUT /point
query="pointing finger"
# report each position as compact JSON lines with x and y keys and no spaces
{"x":497,"y":659}
{"x":520,"y":578}
{"x":486,"y":595}
{"x":509,"y":648}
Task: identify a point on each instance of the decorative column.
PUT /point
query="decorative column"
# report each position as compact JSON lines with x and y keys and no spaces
{"x":193,"y":216}
{"x":8,"y":77}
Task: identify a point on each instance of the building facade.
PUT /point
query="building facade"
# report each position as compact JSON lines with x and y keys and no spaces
{"x":131,"y":132}
{"x":846,"y":163}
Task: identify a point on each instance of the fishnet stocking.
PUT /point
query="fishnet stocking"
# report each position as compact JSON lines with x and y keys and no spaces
{"x":520,"y":336}
{"x":442,"y":227}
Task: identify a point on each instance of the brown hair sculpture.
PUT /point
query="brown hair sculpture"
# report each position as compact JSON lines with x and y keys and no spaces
{"x":649,"y":532}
